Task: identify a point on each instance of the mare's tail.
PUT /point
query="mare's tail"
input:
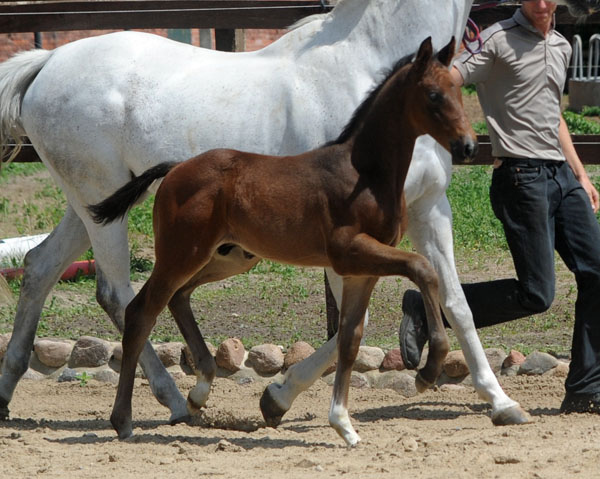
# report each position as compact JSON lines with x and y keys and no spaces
{"x":16,"y":74}
{"x":119,"y":203}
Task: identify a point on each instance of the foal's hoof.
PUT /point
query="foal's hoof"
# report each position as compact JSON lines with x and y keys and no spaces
{"x":421,"y":383}
{"x":511,"y":416}
{"x":271,"y":411}
{"x":193,"y":408}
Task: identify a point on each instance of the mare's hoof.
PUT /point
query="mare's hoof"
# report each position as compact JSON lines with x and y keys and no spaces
{"x":124,"y":429}
{"x":511,"y":416}
{"x":271,"y":411}
{"x":185,"y":419}
{"x":421,"y":384}
{"x":125,"y":435}
{"x":4,"y":412}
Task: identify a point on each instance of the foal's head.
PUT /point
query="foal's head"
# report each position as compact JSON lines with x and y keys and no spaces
{"x":435,"y":102}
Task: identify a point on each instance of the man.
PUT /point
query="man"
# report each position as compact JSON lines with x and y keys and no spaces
{"x":540,"y":192}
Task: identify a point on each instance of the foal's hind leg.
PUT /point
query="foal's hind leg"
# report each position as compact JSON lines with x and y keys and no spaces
{"x":174,"y":269}
{"x":43,"y":267}
{"x":225,"y":263}
{"x":140,"y":317}
{"x":114,"y":292}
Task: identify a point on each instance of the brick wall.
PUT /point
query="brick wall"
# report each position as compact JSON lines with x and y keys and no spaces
{"x":14,"y":42}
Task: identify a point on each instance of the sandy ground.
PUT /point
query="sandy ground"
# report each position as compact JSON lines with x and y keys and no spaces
{"x":62,"y":430}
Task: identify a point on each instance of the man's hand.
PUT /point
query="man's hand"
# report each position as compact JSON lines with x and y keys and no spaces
{"x":592,"y":193}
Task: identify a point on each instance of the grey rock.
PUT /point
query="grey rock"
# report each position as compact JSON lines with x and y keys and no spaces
{"x":404,"y":384}
{"x":90,"y":352}
{"x":176,"y":372}
{"x":266,"y":358}
{"x":561,"y":370}
{"x":368,"y":359}
{"x":495,"y":357}
{"x":511,"y":370}
{"x":358,"y":380}
{"x":383,"y":380}
{"x":297,"y":352}
{"x":455,"y":364}
{"x":538,"y":363}
{"x":107,"y":376}
{"x":117,"y":351}
{"x":67,"y":375}
{"x":169,"y":353}
{"x":34,"y":375}
{"x":53,"y":353}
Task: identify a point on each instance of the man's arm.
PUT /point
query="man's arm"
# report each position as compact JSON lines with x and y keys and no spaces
{"x":456,"y":77}
{"x":575,"y":163}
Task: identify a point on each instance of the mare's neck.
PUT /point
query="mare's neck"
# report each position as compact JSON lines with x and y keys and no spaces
{"x":373,"y":34}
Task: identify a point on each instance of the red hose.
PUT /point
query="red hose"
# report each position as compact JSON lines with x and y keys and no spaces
{"x":85,"y":268}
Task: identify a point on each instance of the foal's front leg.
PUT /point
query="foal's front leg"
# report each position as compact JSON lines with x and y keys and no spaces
{"x":355,"y":300}
{"x":372,"y":258}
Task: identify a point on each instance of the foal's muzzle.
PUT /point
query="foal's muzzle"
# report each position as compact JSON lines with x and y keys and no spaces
{"x":464,"y":150}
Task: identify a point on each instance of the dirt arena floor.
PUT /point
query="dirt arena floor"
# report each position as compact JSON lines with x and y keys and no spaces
{"x":62,"y":430}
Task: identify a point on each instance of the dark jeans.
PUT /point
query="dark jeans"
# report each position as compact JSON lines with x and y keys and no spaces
{"x":543,"y":207}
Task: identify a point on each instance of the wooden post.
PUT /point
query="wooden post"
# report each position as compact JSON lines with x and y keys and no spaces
{"x":228,"y":40}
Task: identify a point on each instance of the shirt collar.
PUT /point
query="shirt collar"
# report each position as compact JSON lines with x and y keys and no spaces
{"x":525,"y":23}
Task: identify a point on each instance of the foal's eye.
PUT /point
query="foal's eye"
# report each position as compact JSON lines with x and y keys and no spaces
{"x":435,"y":97}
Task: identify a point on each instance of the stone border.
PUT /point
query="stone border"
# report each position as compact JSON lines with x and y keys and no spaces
{"x":93,"y":358}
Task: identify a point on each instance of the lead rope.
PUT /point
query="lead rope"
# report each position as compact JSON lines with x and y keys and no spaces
{"x":472,"y":33}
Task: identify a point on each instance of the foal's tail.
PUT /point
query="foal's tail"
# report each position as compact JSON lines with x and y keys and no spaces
{"x":119,"y":203}
{"x":16,"y":74}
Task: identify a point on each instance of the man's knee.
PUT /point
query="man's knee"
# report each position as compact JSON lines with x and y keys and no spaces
{"x":538,"y":302}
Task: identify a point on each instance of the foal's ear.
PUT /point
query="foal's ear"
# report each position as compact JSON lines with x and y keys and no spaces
{"x":423,"y":57}
{"x":446,"y":54}
{"x":425,"y":51}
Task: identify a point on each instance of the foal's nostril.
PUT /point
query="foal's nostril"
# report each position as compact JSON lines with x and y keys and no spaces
{"x":471,"y":148}
{"x":464,"y":149}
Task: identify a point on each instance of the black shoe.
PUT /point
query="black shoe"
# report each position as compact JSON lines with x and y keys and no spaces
{"x":581,"y":402}
{"x":413,"y":329}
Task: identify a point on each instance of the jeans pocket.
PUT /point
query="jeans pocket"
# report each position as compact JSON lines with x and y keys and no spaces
{"x":522,"y":175}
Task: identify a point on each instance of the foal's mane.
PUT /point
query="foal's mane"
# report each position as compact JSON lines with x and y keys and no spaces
{"x":365,"y":106}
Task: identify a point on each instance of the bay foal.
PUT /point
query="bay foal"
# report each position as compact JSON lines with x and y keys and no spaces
{"x":338,"y":206}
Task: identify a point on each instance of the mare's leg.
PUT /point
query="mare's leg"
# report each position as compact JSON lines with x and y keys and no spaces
{"x":430,"y":230}
{"x":277,"y":398}
{"x":114,"y":292}
{"x":357,"y":291}
{"x":44,"y":265}
{"x":225,"y":263}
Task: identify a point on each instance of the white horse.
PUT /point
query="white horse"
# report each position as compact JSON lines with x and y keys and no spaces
{"x":102,"y":109}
